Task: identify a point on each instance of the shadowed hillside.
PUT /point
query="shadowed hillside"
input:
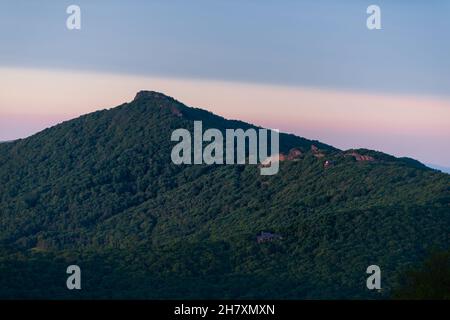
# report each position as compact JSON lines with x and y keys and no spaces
{"x":100,"y":191}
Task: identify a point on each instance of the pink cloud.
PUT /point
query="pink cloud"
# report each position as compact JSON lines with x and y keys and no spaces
{"x":403,"y":125}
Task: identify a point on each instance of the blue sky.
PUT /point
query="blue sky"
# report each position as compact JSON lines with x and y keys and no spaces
{"x":307,"y":67}
{"x":314,"y":43}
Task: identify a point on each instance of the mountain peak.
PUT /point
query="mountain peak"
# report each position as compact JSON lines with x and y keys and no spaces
{"x":159,"y":99}
{"x":147,"y":94}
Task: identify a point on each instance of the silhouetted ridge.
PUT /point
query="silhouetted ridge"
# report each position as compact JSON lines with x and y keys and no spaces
{"x":148,"y":94}
{"x":160,"y":100}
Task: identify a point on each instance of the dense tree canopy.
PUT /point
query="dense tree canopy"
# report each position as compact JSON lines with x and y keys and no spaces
{"x":100,"y":191}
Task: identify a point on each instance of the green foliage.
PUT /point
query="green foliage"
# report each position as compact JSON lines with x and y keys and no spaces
{"x":430,"y":282}
{"x":101,"y":191}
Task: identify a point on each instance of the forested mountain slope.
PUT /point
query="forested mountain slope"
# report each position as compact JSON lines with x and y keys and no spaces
{"x":100,"y":191}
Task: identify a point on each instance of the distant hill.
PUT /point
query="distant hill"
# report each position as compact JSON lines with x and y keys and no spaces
{"x":100,"y":191}
{"x":440,"y":168}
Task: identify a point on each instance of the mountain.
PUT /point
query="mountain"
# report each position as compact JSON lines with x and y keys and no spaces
{"x":101,"y":192}
{"x":440,"y":168}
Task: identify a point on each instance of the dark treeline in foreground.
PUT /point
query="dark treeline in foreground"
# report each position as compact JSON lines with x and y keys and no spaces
{"x":100,"y":191}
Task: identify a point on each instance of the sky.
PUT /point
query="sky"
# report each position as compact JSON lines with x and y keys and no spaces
{"x":311,"y":68}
